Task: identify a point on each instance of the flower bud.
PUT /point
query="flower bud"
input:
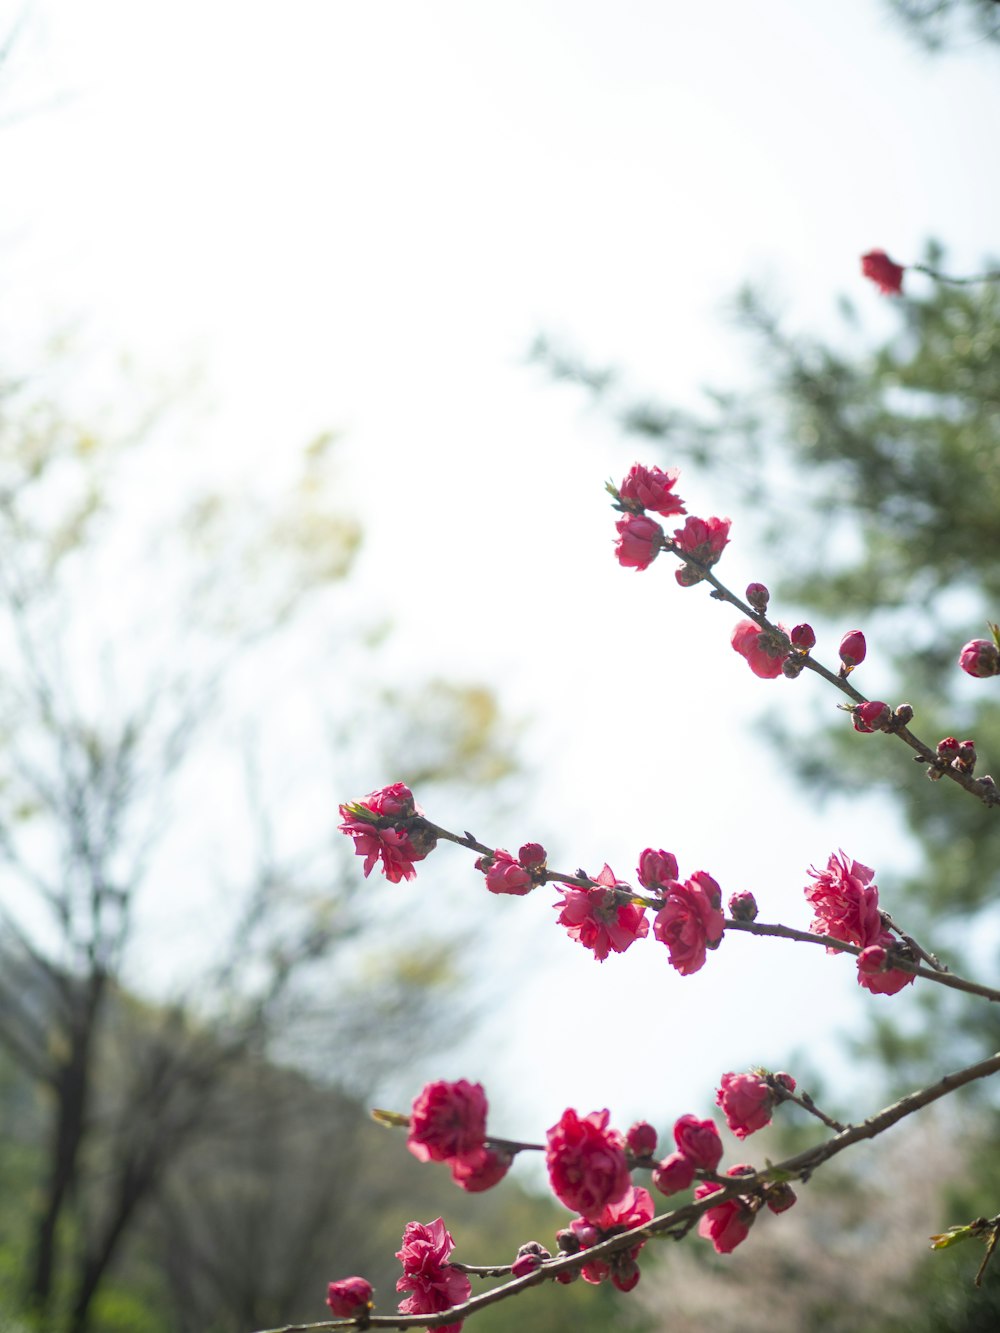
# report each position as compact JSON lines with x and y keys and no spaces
{"x":568,"y":1241}
{"x":903,"y":714}
{"x":673,"y":1174}
{"x":530,"y":1256}
{"x":873,"y":959}
{"x":853,"y":648}
{"x":639,"y":541}
{"x":803,"y":637}
{"x":967,"y":756}
{"x":641,"y":1138}
{"x":884,"y":272}
{"x":348,"y":1297}
{"x":743,"y":906}
{"x":758,"y":596}
{"x":781,"y":1197}
{"x":785,"y":1081}
{"x":870,"y":716}
{"x":531,"y":855}
{"x":656,"y":868}
{"x":947,"y":749}
{"x":980,"y":657}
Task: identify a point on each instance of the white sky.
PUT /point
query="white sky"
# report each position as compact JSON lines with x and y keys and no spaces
{"x":358,"y":216}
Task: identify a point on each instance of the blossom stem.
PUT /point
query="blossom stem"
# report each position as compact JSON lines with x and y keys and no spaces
{"x":807,"y":1104}
{"x":985,"y":790}
{"x":828,"y":942}
{"x":680,"y":1220}
{"x":992,"y":275}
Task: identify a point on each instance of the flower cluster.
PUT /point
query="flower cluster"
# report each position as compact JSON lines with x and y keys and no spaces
{"x":435,"y":1285}
{"x":633,"y":1209}
{"x":845,"y":902}
{"x":641,"y":538}
{"x":448,"y":1124}
{"x":386,"y":826}
{"x":505,"y":874}
{"x":765,"y":650}
{"x":699,"y":1148}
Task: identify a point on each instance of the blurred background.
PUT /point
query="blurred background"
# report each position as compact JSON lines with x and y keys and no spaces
{"x":322,"y":329}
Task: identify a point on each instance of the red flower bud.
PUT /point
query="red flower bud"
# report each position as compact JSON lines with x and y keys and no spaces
{"x":641,"y":1138}
{"x":980,"y":657}
{"x":674,"y":1173}
{"x":758,"y":596}
{"x":349,"y":1296}
{"x":870,"y":716}
{"x":639,"y":541}
{"x":853,"y":648}
{"x":743,"y":906}
{"x":531,"y":855}
{"x":803,"y":637}
{"x":947,"y":749}
{"x":880,"y":269}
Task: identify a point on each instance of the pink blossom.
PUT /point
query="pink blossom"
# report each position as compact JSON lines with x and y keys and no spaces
{"x":397,"y":847}
{"x":598,"y":919}
{"x":690,"y":921}
{"x":586,"y":1162}
{"x":874,"y":973}
{"x":505,"y":875}
{"x":764,"y":650}
{"x":634,"y":1209}
{"x":656,"y":869}
{"x":639,"y":541}
{"x":746,"y":1102}
{"x":699,"y":1141}
{"x":845,"y":902}
{"x":349,"y":1297}
{"x":448,"y":1121}
{"x":480,"y":1170}
{"x":674,"y":1173}
{"x":435,"y":1284}
{"x":729,"y":1224}
{"x":880,"y":269}
{"x":704,"y":539}
{"x":650,"y":488}
{"x":980,"y":657}
{"x":853,"y":648}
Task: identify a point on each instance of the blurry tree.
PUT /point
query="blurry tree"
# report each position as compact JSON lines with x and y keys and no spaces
{"x":942,"y":24}
{"x":126,"y":611}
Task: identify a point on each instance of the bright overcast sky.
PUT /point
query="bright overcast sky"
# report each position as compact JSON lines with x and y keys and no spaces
{"x":358,"y":216}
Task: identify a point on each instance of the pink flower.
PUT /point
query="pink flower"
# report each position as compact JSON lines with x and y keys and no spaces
{"x":649,"y":488}
{"x":873,"y":970}
{"x":641,"y":1139}
{"x":845,"y":902}
{"x":853,"y":648}
{"x":448,"y":1121}
{"x":870,"y":716}
{"x":634,"y":1209}
{"x":674,"y":1173}
{"x":639,"y":541}
{"x":729,"y":1224}
{"x":764,"y":650}
{"x":349,"y":1297}
{"x":435,"y":1284}
{"x":880,"y":269}
{"x":480,"y":1170}
{"x":598,"y":919}
{"x":397,"y":847}
{"x":699,"y":1141}
{"x":586,"y":1162}
{"x":505,"y":875}
{"x":656,"y":869}
{"x":980,"y":657}
{"x":746,"y":1101}
{"x":803,"y":637}
{"x":704,"y":539}
{"x":690,"y":921}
